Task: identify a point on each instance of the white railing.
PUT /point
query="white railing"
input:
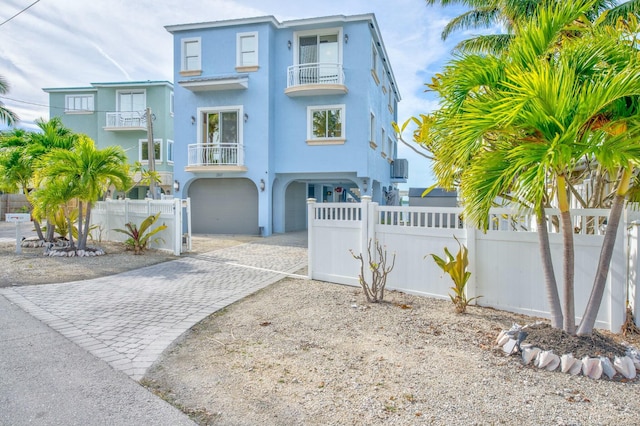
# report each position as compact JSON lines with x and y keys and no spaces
{"x":114,"y":214}
{"x":316,"y":73}
{"x":504,"y":261}
{"x":216,"y":154}
{"x":126,"y":119}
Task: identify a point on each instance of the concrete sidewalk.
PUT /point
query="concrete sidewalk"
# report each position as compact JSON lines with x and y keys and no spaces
{"x":127,"y":320}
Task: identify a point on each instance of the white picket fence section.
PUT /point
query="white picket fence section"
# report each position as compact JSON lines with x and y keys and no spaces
{"x":505,"y":261}
{"x":114,"y":214}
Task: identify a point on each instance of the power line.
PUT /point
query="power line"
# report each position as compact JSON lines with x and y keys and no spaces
{"x":23,"y":10}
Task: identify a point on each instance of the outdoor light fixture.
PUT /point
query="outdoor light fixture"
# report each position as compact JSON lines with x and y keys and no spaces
{"x":346,"y":38}
{"x":193,"y":120}
{"x":364,"y":184}
{"x":246,"y":117}
{"x":262,"y":185}
{"x":176,"y":186}
{"x":289,"y":44}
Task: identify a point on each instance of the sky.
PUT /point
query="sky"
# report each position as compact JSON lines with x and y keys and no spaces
{"x":72,"y":43}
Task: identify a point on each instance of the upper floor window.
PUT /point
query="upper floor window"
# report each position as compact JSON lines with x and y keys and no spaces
{"x":374,"y":63}
{"x":372,"y":131}
{"x":171,"y":104}
{"x":169,"y":151}
{"x":383,"y":137}
{"x":191,"y":55}
{"x":247,"y":50}
{"x":326,"y":123}
{"x":220,"y":126}
{"x":143,"y":148}
{"x":78,"y":103}
{"x":131,"y":101}
{"x":391,"y":148}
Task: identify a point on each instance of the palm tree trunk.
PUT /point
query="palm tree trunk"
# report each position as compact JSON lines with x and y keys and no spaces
{"x":85,"y":231}
{"x":604,"y":262}
{"x":568,"y":310}
{"x":80,"y":232}
{"x":547,"y":267}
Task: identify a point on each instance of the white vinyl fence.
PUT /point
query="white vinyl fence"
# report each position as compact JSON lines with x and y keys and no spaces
{"x":114,"y":214}
{"x":505,"y":261}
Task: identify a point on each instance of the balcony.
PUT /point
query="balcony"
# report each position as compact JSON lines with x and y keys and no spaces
{"x":216,"y":157}
{"x":126,"y":120}
{"x":315,"y":79}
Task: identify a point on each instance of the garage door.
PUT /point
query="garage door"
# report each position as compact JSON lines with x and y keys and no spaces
{"x":224,"y":206}
{"x":295,"y":218}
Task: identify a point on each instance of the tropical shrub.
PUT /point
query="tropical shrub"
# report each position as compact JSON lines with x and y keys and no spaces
{"x":456,"y":267}
{"x":140,"y":238}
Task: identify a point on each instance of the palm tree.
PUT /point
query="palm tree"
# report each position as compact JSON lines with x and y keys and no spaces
{"x":6,"y":116}
{"x":519,"y":124}
{"x":83,"y":173}
{"x":508,"y":14}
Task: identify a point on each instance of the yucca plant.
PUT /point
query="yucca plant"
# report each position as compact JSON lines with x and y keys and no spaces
{"x":456,"y":267}
{"x":139,"y":238}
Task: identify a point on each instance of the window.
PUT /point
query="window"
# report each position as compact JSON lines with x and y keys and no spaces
{"x":326,"y":123}
{"x":78,"y":103}
{"x":131,"y":101}
{"x":169,"y":151}
{"x":219,"y":127}
{"x":383,"y":138}
{"x":247,"y":49}
{"x":171,"y":104}
{"x":144,"y":150}
{"x":391,"y":100}
{"x":372,"y":131}
{"x":374,"y":63}
{"x":191,"y":60}
{"x":390,"y":148}
{"x":319,"y":57}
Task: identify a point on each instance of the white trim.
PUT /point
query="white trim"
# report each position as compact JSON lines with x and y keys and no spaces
{"x":318,"y":32}
{"x":122,"y":91}
{"x":343,"y":121}
{"x":239,"y":51}
{"x":91,"y":106}
{"x":155,"y":141}
{"x":183,"y":54}
{"x":231,"y":108}
{"x":170,"y":150}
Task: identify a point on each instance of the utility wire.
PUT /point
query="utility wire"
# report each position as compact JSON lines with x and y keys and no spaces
{"x":23,"y":10}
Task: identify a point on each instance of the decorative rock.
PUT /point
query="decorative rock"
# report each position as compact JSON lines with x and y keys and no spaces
{"x":592,"y":367}
{"x":566,"y":362}
{"x":607,"y":367}
{"x":529,"y":354}
{"x":576,"y":368}
{"x":510,"y":347}
{"x":80,"y":253}
{"x":503,"y":338}
{"x":547,"y":360}
{"x":624,"y":366}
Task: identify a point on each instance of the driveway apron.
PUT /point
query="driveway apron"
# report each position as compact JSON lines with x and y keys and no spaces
{"x":129,"y":319}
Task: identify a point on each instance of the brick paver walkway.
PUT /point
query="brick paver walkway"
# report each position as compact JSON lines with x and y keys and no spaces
{"x":130,"y":318}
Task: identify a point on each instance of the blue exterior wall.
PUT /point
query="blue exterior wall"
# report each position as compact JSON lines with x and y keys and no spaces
{"x":274,"y":134}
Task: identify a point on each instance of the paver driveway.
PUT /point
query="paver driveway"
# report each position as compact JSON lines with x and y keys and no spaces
{"x":130,"y":318}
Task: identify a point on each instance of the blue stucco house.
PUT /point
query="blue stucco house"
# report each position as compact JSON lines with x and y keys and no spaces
{"x":114,"y":114}
{"x":269,"y":113}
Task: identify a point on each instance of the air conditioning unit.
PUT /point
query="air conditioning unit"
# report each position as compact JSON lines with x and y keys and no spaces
{"x":400,"y":169}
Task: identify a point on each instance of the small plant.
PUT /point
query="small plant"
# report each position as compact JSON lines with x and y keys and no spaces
{"x":139,"y":239}
{"x":456,"y":267}
{"x":374,"y":292}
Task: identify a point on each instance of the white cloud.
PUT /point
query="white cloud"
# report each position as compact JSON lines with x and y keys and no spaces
{"x":67,"y":43}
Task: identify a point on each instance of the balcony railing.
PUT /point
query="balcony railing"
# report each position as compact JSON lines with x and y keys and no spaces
{"x":317,"y":73}
{"x":216,"y":154}
{"x":127,"y":120}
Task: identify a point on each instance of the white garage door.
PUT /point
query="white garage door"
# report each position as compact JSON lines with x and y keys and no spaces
{"x":224,"y":206}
